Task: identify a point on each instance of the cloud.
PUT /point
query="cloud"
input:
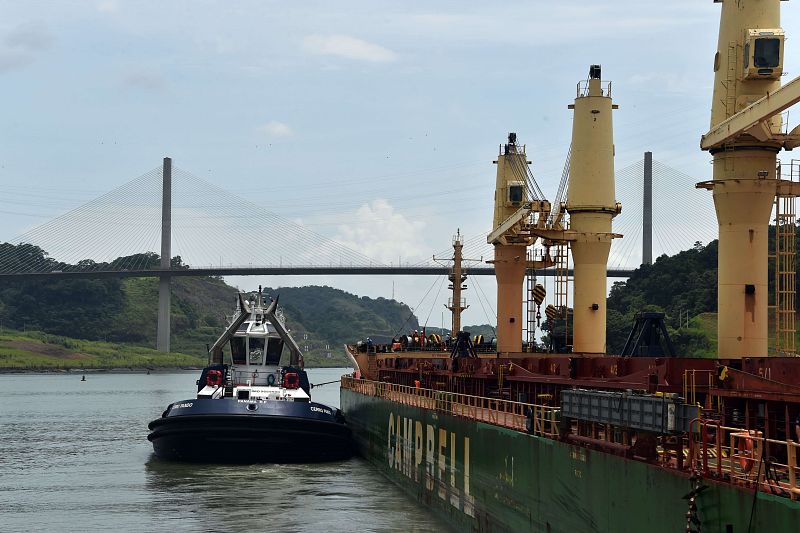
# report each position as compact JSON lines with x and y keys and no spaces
{"x":29,"y":38}
{"x":347,"y":47}
{"x":151,"y":81}
{"x":276,"y":130}
{"x":378,"y":231}
{"x":580,"y":21}
{"x":10,"y":61}
{"x":21,"y":45}
{"x":669,"y":82}
{"x":107,"y":6}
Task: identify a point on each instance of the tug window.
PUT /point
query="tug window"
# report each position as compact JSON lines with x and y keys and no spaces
{"x":256,"y":351}
{"x":767,"y":53}
{"x":515,"y":194}
{"x":274,"y":349}
{"x":238,"y":350}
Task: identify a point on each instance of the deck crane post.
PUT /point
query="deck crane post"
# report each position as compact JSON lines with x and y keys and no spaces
{"x":745,"y":137}
{"x":515,"y":212}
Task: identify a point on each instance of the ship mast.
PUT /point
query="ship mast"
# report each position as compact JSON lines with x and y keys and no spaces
{"x":457,"y":278}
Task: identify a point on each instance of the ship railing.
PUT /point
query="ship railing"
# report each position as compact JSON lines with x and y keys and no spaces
{"x":541,"y":420}
{"x":583,"y":88}
{"x":745,"y":457}
{"x":694,"y":378}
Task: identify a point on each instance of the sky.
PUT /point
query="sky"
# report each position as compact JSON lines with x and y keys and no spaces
{"x":372,"y":123}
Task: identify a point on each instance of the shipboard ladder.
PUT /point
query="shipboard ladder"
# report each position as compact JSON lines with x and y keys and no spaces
{"x":530,"y":283}
{"x":730,"y":100}
{"x":561,"y":284}
{"x":785,"y":268}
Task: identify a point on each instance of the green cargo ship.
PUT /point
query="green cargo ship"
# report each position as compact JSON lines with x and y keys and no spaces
{"x":485,"y":477}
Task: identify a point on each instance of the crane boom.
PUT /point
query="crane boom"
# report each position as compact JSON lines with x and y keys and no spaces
{"x":754,"y":119}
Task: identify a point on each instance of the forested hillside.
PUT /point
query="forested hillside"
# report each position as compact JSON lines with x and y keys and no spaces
{"x":322,"y":319}
{"x":683,"y":285}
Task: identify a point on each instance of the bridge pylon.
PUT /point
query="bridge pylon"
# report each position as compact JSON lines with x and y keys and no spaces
{"x":164,"y":296}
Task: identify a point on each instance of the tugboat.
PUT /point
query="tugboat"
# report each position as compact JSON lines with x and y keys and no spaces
{"x":250,"y":408}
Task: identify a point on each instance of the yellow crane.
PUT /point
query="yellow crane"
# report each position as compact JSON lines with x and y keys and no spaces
{"x":745,"y":137}
{"x":591,"y":204}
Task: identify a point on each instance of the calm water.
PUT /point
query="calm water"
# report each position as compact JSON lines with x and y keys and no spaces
{"x":74,"y":456}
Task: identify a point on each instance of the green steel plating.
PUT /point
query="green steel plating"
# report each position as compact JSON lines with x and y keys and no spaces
{"x":445,"y":459}
{"x":490,"y":478}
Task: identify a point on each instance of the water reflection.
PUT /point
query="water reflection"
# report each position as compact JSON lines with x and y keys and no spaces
{"x":342,"y":496}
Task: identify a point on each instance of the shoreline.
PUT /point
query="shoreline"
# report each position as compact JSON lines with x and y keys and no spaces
{"x":122,"y":370}
{"x":98,"y":370}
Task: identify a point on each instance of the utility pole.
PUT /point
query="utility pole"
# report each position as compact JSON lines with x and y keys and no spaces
{"x":164,"y":300}
{"x":647,"y":211}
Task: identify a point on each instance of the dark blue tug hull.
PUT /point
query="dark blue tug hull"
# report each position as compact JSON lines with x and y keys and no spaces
{"x":246,"y":431}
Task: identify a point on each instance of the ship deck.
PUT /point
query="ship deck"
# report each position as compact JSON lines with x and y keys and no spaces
{"x":731,"y":455}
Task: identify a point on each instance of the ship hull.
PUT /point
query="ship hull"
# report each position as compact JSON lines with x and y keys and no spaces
{"x":230,"y":431}
{"x":489,"y":478}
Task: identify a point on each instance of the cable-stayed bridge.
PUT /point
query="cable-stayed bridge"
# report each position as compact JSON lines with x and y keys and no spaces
{"x":217,"y":232}
{"x":169,"y":222}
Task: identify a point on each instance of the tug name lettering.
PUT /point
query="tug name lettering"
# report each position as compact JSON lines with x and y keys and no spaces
{"x":408,"y":442}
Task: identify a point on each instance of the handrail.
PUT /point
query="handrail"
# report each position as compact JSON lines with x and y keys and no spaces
{"x":690,"y":383}
{"x":583,"y":88}
{"x":740,"y":455}
{"x":543,"y":419}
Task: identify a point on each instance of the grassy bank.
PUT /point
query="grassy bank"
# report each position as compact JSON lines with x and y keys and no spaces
{"x":37,"y":351}
{"x":34,"y":350}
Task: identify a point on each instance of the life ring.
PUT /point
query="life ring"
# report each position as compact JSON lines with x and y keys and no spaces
{"x":744,"y":451}
{"x":291,"y":380}
{"x":271,"y":380}
{"x":214,"y":378}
